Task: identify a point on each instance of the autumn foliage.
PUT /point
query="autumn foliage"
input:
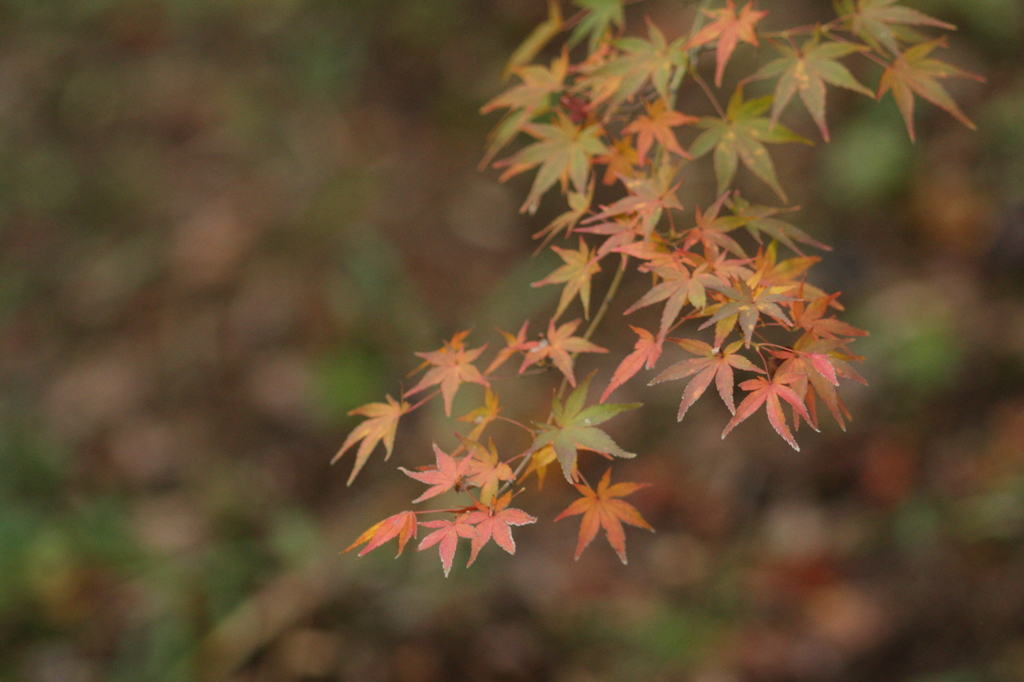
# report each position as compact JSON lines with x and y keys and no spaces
{"x":730,"y":277}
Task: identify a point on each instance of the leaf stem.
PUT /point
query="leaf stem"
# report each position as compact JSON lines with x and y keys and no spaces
{"x":707,"y":91}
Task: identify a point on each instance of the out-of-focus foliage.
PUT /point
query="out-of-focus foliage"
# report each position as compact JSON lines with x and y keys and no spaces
{"x":218,"y":235}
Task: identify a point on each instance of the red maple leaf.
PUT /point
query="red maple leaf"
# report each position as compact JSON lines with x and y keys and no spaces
{"x":729,"y":28}
{"x":558,"y":345}
{"x":602,"y":509}
{"x":447,"y":534}
{"x":453,"y":366}
{"x":646,"y":352}
{"x":402,"y":524}
{"x":494,"y":524}
{"x":443,"y":477}
{"x":810,"y":317}
{"x":763,"y":391}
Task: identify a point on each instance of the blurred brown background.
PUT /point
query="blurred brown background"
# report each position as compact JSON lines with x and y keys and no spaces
{"x":224,"y":224}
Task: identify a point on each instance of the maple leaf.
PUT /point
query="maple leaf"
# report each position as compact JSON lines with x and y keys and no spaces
{"x":641,"y":60}
{"x":515,"y":344}
{"x":710,"y":231}
{"x":728,"y":28}
{"x":621,"y":161}
{"x":557,"y":345}
{"x":403,"y":525}
{"x":563,"y":152}
{"x":453,"y":366}
{"x":576,"y":427}
{"x":619,"y":233}
{"x":678,"y":286}
{"x":876,"y":22}
{"x":781,"y":277}
{"x":647,"y":201}
{"x":603,"y":509}
{"x":579,"y":204}
{"x":711,"y":365}
{"x":380,"y":425}
{"x":539,"y":463}
{"x":483,"y":415}
{"x":538,"y":38}
{"x":810,"y":317}
{"x":820,"y":362}
{"x":646,"y":352}
{"x":765,"y":392}
{"x":914,"y":72}
{"x":580,"y":266}
{"x":657,"y":125}
{"x":805,"y":71}
{"x":485,"y":470}
{"x":524,"y":101}
{"x":447,"y":536}
{"x":760,"y":219}
{"x":747,"y":304}
{"x":443,"y":477}
{"x":601,"y":16}
{"x":740,"y":137}
{"x":495,"y":524}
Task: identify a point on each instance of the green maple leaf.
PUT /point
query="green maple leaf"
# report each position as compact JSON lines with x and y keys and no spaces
{"x":524,"y":102}
{"x":740,"y":136}
{"x":580,"y":266}
{"x":761,"y":220}
{"x":806,"y":71}
{"x":879,"y":22}
{"x":601,"y":15}
{"x":575,"y":427}
{"x":642,"y":60}
{"x":563,"y":152}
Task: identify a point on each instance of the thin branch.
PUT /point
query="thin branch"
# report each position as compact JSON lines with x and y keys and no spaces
{"x":609,"y":296}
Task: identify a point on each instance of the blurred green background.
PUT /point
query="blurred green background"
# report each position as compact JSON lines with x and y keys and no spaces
{"x":224,"y":224}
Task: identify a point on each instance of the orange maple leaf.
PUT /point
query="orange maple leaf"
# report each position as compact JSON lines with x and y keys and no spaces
{"x":601,"y":509}
{"x":657,"y":125}
{"x":402,"y":524}
{"x":729,"y":28}
{"x":559,"y":345}
{"x":646,"y":352}
{"x":711,"y":365}
{"x":381,"y":425}
{"x":914,"y":72}
{"x":482,"y":416}
{"x":453,"y":366}
{"x":494,"y":524}
{"x":515,"y":344}
{"x":443,"y":477}
{"x":621,"y":160}
{"x":485,"y":470}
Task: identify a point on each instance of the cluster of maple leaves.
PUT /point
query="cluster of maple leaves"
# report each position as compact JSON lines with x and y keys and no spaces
{"x":611,"y":118}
